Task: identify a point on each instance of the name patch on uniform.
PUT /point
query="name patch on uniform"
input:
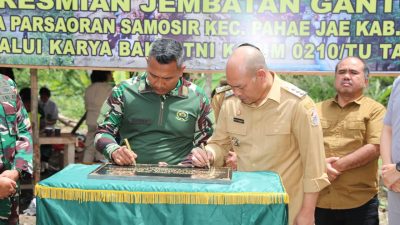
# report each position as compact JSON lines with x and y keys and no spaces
{"x":228,"y":93}
{"x":140,"y":121}
{"x":238,"y":120}
{"x":222,"y":89}
{"x":182,"y":116}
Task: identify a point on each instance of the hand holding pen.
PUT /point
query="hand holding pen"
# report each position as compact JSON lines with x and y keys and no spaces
{"x":201,"y":157}
{"x":124,"y":156}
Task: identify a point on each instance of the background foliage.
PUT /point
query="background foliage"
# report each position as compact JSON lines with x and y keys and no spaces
{"x":321,"y":87}
{"x":68,"y":86}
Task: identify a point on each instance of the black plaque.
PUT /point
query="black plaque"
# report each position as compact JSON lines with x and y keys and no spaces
{"x":153,"y":172}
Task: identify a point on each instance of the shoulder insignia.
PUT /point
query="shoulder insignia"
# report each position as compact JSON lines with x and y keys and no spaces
{"x":222,"y":89}
{"x":294,"y":90}
{"x":228,"y":93}
{"x":314,"y":118}
{"x":309,"y":104}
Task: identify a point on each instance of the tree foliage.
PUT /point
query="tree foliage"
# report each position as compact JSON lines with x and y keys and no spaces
{"x":68,"y":86}
{"x":320,"y":88}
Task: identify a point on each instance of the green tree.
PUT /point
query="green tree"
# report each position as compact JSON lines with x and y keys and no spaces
{"x":67,"y":88}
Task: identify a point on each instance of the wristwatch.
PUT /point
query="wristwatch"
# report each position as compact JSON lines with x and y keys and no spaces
{"x":398,"y":166}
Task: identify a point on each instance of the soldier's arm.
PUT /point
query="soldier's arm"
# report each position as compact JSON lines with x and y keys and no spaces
{"x":204,"y":122}
{"x":107,"y":130}
{"x":23,"y":149}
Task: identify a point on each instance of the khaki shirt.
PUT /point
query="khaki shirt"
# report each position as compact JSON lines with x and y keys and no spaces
{"x":221,"y":93}
{"x":283,"y":134}
{"x":346,"y":130}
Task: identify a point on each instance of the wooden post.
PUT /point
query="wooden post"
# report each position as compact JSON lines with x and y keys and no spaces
{"x":35,"y":125}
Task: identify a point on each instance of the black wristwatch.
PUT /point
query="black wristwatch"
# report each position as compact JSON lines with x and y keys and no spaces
{"x":398,"y":167}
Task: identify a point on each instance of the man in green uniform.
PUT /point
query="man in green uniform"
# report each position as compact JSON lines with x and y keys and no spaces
{"x":16,"y":149}
{"x":162,"y":115}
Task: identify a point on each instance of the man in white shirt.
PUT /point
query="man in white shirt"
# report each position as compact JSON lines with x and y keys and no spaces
{"x":48,"y":107}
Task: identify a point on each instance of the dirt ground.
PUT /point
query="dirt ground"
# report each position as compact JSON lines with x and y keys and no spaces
{"x":27,"y":220}
{"x":382,"y":195}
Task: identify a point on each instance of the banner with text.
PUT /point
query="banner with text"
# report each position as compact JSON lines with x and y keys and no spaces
{"x":294,"y":35}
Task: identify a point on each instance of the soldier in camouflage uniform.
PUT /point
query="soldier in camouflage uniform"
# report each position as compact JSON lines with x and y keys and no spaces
{"x":162,"y":115}
{"x":16,"y":150}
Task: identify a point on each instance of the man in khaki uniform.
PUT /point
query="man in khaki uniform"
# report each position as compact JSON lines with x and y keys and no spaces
{"x":271,"y":125}
{"x":221,"y":93}
{"x":218,"y":96}
{"x":352,"y":124}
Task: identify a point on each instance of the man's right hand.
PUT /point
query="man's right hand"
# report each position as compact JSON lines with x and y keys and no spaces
{"x":7,"y":187}
{"x":395,"y":187}
{"x":123,"y":156}
{"x":201,"y":157}
{"x":390,"y":175}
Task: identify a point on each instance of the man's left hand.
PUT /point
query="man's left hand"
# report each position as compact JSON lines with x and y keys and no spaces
{"x":231,"y":160}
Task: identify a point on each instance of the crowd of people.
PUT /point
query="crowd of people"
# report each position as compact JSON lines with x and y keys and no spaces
{"x":326,"y":153}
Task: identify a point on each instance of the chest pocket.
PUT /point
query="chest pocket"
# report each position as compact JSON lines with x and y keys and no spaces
{"x":356,"y":128}
{"x":278,"y":136}
{"x":237,"y":131}
{"x":236,"y":128}
{"x":10,"y":113}
{"x":327,"y":126}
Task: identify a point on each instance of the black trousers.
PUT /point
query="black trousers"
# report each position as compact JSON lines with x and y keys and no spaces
{"x":366,"y":214}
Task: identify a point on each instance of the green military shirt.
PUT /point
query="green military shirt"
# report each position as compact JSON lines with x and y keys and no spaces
{"x":16,"y":144}
{"x":160,"y":128}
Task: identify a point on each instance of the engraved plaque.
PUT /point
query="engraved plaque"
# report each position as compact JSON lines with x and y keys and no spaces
{"x":153,"y":172}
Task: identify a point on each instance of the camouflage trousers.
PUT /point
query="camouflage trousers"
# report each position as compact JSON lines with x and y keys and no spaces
{"x":9,"y":210}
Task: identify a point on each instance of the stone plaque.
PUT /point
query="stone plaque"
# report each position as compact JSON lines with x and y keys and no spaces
{"x":153,"y":172}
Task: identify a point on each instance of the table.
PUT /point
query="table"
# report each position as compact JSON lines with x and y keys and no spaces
{"x":69,"y":197}
{"x":67,"y":139}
